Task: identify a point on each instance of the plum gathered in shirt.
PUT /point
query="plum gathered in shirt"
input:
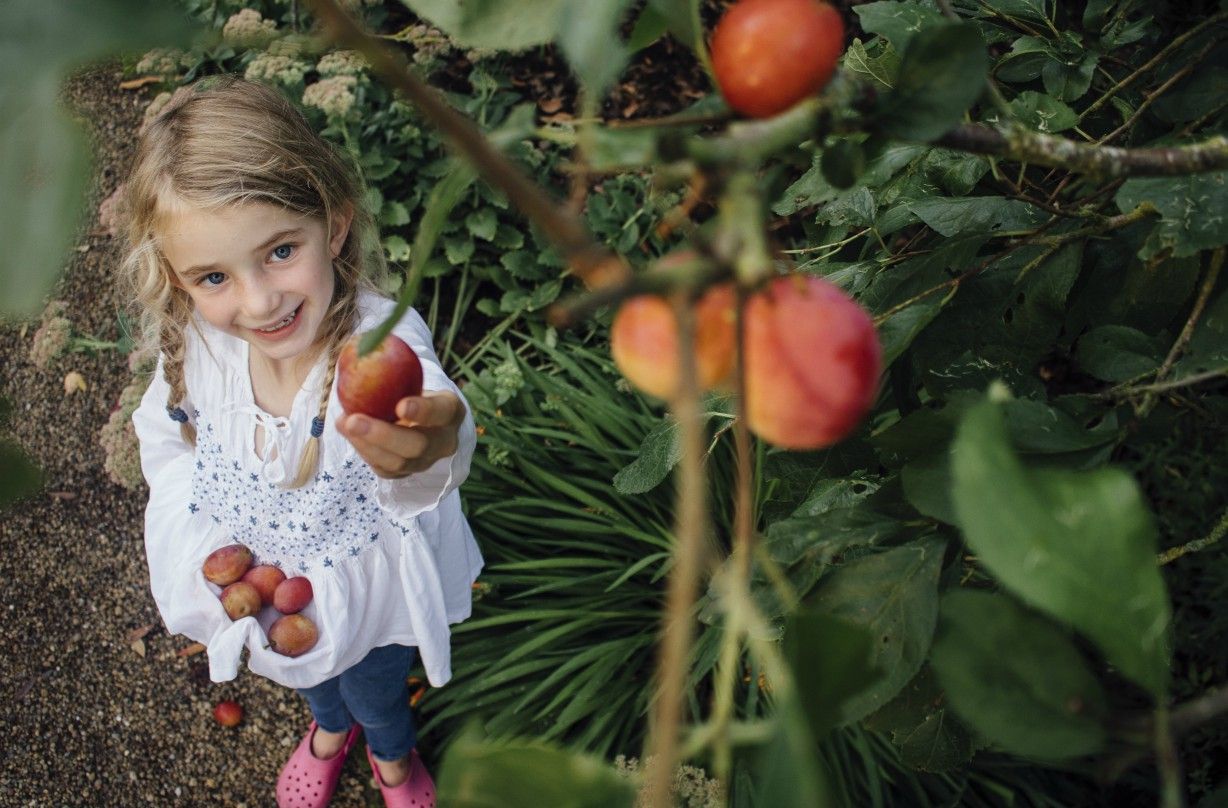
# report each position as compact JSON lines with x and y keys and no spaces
{"x":390,"y":561}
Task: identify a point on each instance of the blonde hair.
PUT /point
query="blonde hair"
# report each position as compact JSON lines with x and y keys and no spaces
{"x":228,"y":141}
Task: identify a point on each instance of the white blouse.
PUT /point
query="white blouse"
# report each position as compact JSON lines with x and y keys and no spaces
{"x":390,"y":561}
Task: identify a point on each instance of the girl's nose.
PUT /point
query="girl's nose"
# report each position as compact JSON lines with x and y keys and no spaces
{"x":261,"y":302}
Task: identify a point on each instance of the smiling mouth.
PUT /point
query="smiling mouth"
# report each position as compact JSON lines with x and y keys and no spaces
{"x":284,"y":322}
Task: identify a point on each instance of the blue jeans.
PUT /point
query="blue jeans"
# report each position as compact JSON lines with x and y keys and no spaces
{"x":374,"y":694}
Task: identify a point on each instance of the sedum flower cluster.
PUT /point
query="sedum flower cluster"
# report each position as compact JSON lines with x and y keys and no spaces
{"x":164,"y":63}
{"x":118,"y":437}
{"x":334,"y":95}
{"x":248,"y":29}
{"x":691,"y":787}
{"x":341,"y":63}
{"x":54,"y":335}
{"x":275,"y":68}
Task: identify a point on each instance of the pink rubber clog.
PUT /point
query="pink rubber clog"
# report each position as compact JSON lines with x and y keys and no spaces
{"x":418,"y":790}
{"x":305,"y":780}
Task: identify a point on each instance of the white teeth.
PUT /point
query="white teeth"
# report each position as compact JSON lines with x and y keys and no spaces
{"x":289,"y":318}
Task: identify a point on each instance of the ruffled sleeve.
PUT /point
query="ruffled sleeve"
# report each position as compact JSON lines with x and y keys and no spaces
{"x":178,"y":534}
{"x":410,"y":496}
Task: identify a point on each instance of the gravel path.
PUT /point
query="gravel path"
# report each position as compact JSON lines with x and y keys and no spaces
{"x":89,"y":719}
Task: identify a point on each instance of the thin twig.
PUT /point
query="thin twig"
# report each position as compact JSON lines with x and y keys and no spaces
{"x":1217,"y":533}
{"x":1158,"y":59}
{"x":1168,"y":762}
{"x":1151,"y":97}
{"x":1204,"y":294}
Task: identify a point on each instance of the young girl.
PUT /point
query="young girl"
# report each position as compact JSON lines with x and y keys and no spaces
{"x":252,"y":259}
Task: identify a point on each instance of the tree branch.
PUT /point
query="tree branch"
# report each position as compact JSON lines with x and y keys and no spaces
{"x":595,"y":264}
{"x":1026,"y":146}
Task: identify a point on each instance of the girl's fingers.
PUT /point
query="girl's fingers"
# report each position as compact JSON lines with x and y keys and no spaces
{"x":433,"y":409}
{"x":383,"y":462}
{"x":401,"y":441}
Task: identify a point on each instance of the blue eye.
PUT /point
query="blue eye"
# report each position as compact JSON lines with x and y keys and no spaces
{"x":213,"y":279}
{"x":286,"y":256}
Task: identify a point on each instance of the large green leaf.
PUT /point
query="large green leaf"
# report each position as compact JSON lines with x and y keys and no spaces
{"x":894,"y":595}
{"x":1118,"y":353}
{"x":526,"y":774}
{"x":942,"y":73}
{"x":588,"y":35}
{"x":1191,"y":211}
{"x":18,"y":476}
{"x":831,"y":662}
{"x":498,"y":24}
{"x":46,"y":162}
{"x":1079,"y":546}
{"x":1016,"y":678}
{"x":951,"y":216}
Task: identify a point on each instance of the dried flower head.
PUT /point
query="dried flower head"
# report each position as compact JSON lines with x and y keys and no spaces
{"x":54,"y":335}
{"x":341,"y":63}
{"x":248,"y":29}
{"x":276,"y":69}
{"x":334,"y":95}
{"x":119,"y":441}
{"x":164,"y":63}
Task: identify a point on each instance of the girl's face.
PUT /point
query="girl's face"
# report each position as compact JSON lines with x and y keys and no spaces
{"x":256,"y":271}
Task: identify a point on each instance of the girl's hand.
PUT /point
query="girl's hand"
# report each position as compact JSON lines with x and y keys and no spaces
{"x":427,"y":430}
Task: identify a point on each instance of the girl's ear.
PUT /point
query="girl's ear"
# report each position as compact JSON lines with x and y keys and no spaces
{"x":341,"y":229}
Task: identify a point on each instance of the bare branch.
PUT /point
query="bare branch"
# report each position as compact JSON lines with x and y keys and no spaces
{"x":1026,"y":146}
{"x":592,"y":262}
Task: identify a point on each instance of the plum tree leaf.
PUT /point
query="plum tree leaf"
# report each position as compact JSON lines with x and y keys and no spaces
{"x":1038,"y":698}
{"x":894,"y":595}
{"x":499,"y":24}
{"x":1192,"y":211}
{"x":942,"y":72}
{"x":1079,"y":546}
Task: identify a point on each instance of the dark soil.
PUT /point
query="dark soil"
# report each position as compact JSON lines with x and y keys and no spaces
{"x":89,"y":720}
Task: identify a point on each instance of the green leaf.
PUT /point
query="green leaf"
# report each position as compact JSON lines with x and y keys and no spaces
{"x":830,"y":662}
{"x":588,"y":36}
{"x":1044,"y":113}
{"x":649,"y":27}
{"x":1032,"y":10}
{"x":881,"y":69}
{"x":1117,"y":353}
{"x":822,"y":537}
{"x":658,"y":455}
{"x":1027,"y":58}
{"x":1191,"y":211}
{"x":897,"y":21}
{"x":927,"y":733}
{"x":483,"y":223}
{"x":942,"y":73}
{"x":957,"y":172}
{"x":951,"y":216}
{"x":1079,"y":546}
{"x":927,"y":486}
{"x":507,"y":25}
{"x":842,"y":163}
{"x":1016,"y":678}
{"x":1068,"y":79}
{"x":18,"y":476}
{"x":397,"y":249}
{"x":46,"y":164}
{"x":526,"y":774}
{"x":1194,"y":97}
{"x":894,"y":595}
{"x":393,"y":214}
